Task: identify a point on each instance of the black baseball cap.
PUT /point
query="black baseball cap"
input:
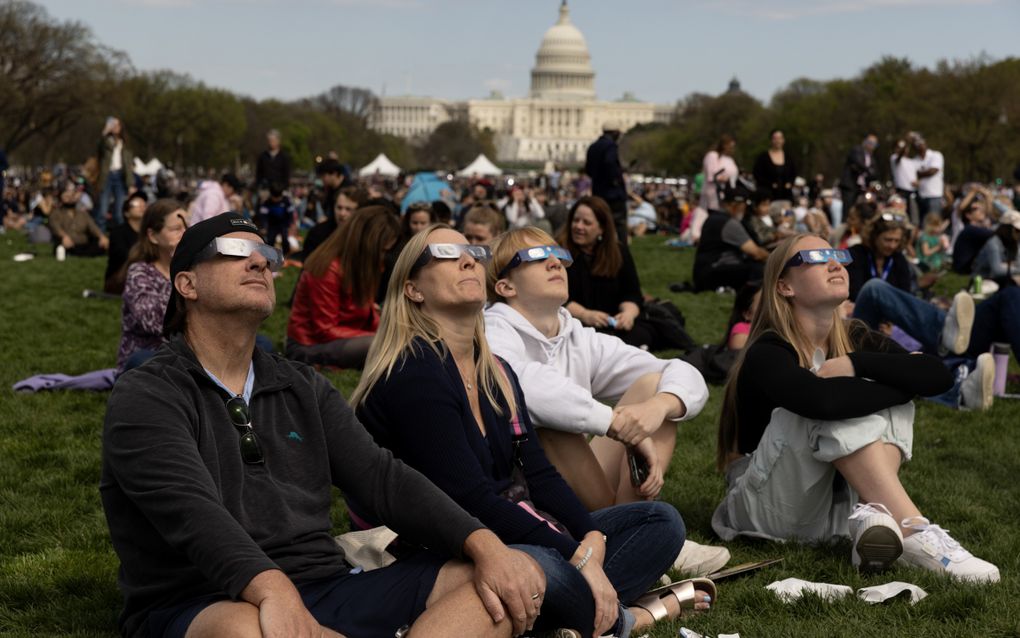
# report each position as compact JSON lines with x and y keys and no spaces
{"x":193,"y":241}
{"x":741,"y":191}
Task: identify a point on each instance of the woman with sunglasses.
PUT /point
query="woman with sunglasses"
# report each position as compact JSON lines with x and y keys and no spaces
{"x":568,"y":372}
{"x":334,"y":315}
{"x":434,"y":394}
{"x":880,"y":254}
{"x":817,"y":419}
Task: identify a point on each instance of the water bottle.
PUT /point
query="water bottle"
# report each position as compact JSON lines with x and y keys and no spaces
{"x":61,"y":253}
{"x":1000,"y":353}
{"x":977,"y":285}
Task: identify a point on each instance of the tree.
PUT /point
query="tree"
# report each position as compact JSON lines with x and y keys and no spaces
{"x":353,"y":100}
{"x":453,"y":144}
{"x":180,"y":120}
{"x":52,"y":74}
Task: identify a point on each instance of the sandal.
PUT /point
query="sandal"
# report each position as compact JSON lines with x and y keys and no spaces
{"x":682,"y":590}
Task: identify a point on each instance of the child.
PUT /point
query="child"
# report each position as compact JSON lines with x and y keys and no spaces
{"x":277,"y":213}
{"x":932,"y":243}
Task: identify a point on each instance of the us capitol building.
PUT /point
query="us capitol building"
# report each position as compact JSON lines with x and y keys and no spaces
{"x":557,"y":121}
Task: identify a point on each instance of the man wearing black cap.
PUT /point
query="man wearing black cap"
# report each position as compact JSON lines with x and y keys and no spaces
{"x":333,"y":176}
{"x":727,"y":256}
{"x":603,"y":167}
{"x":218,"y":463}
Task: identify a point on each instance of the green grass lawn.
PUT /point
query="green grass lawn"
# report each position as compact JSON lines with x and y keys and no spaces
{"x":58,"y":570}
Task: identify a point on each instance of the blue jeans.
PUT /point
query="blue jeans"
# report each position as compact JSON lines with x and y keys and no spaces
{"x":997,"y":319}
{"x":643,"y":541}
{"x":114,"y":187}
{"x":929,"y":205}
{"x":880,"y":301}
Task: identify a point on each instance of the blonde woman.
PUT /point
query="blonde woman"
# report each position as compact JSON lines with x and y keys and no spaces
{"x":817,"y":420}
{"x":434,"y":394}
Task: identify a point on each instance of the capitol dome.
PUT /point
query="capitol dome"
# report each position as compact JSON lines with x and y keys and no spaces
{"x":562,"y":65}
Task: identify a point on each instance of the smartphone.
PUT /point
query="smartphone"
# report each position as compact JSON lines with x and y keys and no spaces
{"x":638,"y":467}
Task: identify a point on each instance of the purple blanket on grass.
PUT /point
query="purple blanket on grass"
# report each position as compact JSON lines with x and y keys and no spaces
{"x":95,"y":381}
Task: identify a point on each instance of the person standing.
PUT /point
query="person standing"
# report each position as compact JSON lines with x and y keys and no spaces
{"x":859,"y":169}
{"x":930,"y":178}
{"x":904,"y":165}
{"x":273,"y":165}
{"x":603,"y":167}
{"x":115,"y":176}
{"x":774,"y":171}
{"x":719,"y":169}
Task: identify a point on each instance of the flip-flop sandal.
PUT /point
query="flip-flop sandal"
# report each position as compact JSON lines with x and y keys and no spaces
{"x":683,"y":591}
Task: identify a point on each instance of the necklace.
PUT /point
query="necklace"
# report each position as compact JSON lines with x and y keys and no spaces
{"x":466,"y":379}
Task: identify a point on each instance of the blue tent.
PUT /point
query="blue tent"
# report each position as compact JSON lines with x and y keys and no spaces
{"x":426,"y":187}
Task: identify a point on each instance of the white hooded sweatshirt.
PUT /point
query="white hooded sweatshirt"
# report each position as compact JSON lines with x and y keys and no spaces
{"x":566,"y":378}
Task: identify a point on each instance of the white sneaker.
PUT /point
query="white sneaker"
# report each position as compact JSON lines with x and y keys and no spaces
{"x":959,"y":321}
{"x":877,"y":540}
{"x":931,"y":547}
{"x":978,"y":390}
{"x":698,"y":560}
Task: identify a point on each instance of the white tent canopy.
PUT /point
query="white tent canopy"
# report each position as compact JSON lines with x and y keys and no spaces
{"x":481,"y":166}
{"x":144,"y":169}
{"x":381,"y":165}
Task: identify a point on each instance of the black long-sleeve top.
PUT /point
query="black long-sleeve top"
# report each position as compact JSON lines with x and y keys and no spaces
{"x":604,"y":293}
{"x":884,"y":375}
{"x":421,"y":412}
{"x":774,"y":180}
{"x":273,"y":169}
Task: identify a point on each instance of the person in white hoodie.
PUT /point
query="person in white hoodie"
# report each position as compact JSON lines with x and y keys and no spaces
{"x":567,"y":370}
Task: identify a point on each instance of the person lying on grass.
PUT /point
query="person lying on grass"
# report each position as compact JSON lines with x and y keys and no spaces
{"x":434,"y":393}
{"x":218,"y":465}
{"x":817,"y":419}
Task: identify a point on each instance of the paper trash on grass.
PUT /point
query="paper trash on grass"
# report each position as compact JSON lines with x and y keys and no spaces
{"x":881,"y":593}
{"x":791,"y":589}
{"x":690,"y":633}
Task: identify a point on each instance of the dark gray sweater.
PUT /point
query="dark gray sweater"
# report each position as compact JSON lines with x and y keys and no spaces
{"x":188,"y":517}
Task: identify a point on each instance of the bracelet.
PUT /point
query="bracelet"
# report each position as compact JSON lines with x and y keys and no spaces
{"x":584,"y":560}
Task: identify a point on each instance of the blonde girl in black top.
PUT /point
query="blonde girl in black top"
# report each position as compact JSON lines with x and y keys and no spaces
{"x":817,"y":420}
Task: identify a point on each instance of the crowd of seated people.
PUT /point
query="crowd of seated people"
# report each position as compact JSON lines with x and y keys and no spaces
{"x":516,"y":372}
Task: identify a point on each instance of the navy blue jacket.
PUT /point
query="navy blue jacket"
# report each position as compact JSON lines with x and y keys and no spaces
{"x":604,"y":169}
{"x":421,"y":413}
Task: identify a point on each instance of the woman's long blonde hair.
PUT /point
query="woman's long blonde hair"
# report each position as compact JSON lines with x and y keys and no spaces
{"x":402,"y":320}
{"x":774,"y":314}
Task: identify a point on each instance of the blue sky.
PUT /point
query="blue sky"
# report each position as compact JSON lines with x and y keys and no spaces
{"x":660,"y":50}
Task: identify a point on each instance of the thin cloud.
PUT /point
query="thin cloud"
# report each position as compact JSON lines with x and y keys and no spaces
{"x":159,"y":4}
{"x":181,"y":4}
{"x":780,"y":11}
